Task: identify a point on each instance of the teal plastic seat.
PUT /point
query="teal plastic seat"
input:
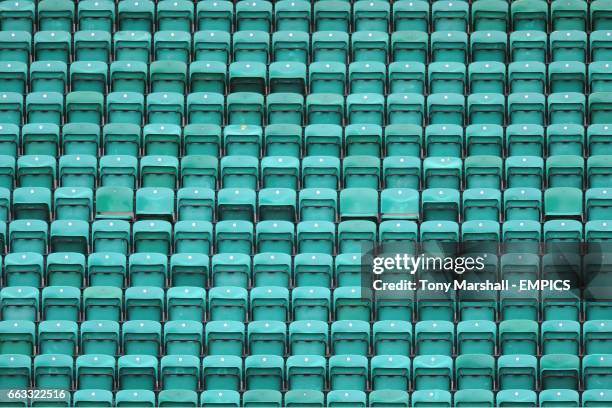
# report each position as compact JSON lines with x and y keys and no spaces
{"x":136,"y":15}
{"x":449,"y":46}
{"x":16,"y":46}
{"x":132,"y":46}
{"x":335,"y":16}
{"x":212,"y":45}
{"x":292,"y":16}
{"x":406,"y":77}
{"x":568,"y":45}
{"x":251,"y":46}
{"x":52,"y":45}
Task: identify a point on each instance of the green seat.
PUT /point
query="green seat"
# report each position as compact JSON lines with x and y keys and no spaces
{"x":524,"y":171}
{"x":82,"y":138}
{"x":132,"y":46}
{"x":245,"y":108}
{"x":129,"y":76}
{"x":599,"y":76}
{"x":178,"y":17}
{"x":267,"y":337}
{"x":17,"y":16}
{"x":222,"y":372}
{"x":312,"y":269}
{"x":40,"y":138}
{"x":390,"y":373}
{"x":560,"y":371}
{"x":251,"y":46}
{"x":212,"y":46}
{"x":23,"y":269}
{"x":447,"y":16}
{"x":475,"y":372}
{"x":53,"y":45}
{"x":330,"y":46}
{"x":527,"y":77}
{"x":516,"y":398}
{"x":67,"y":269}
{"x":567,"y":76}
{"x":9,"y":139}
{"x":490,"y":16}
{"x":568,"y":45}
{"x":565,"y":398}
{"x":517,"y":372}
{"x":207,"y":76}
{"x":318,"y":204}
{"x":126,"y":107}
{"x":111,"y":236}
{"x":128,"y":398}
{"x":595,"y":371}
{"x":446,"y":109}
{"x":374,"y":17}
{"x":529,"y":46}
{"x":99,"y":337}
{"x":61,"y":303}
{"x":431,"y":398}
{"x":168,"y":76}
{"x":32,"y":203}
{"x":406,"y":77}
{"x":108,"y":268}
{"x":292,"y":16}
{"x":327,"y":77}
{"x":481,"y":204}
{"x":309,"y":337}
{"x":562,"y":336}
{"x":136,"y":15}
{"x":15,"y":370}
{"x":335,"y":16}
{"x":300,"y":398}
{"x":405,"y":109}
{"x":121,"y":139}
{"x":58,"y":337}
{"x":432,"y":372}
{"x":96,"y":17}
{"x":288,"y":77}
{"x":183,"y":337}
{"x":523,"y":204}
{"x":487,"y":77}
{"x":137,"y":372}
{"x":19,"y":303}
{"x":449,"y":46}
{"x":28,"y":236}
{"x":411,"y":16}
{"x":44,"y":107}
{"x":289,"y":46}
{"x":84,"y":107}
{"x":102,"y":303}
{"x":521,"y":236}
{"x":486,"y":109}
{"x":563,"y":202}
{"x":165,"y":107}
{"x":92,"y":398}
{"x":399,"y":203}
{"x":247,"y":76}
{"x":53,"y":371}
{"x":16,"y":46}
{"x":348,"y":372}
{"x":370,"y":46}
{"x":596,"y":204}
{"x":17,"y":337}
{"x":403,"y":140}
{"x":14,"y":75}
{"x":285,"y":108}
{"x":598,"y":107}
{"x":92,"y":45}
{"x":566,"y":108}
{"x":440,"y":204}
{"x":311,"y":303}
{"x":442,"y":172}
{"x":489,"y":46}
{"x":275,"y":236}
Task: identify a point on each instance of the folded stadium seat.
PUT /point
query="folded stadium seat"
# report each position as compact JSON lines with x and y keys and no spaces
{"x":159,"y":171}
{"x":12,"y":108}
{"x":53,"y":371}
{"x":566,"y":108}
{"x":323,"y":139}
{"x":524,"y":171}
{"x":518,"y":371}
{"x":267,"y":337}
{"x":16,"y":46}
{"x":222,"y":372}
{"x":446,"y":109}
{"x":489,"y":46}
{"x":434,"y":337}
{"x":84,"y":107}
{"x":227,"y":397}
{"x":292,"y":16}
{"x":168,"y":398}
{"x":61,"y":303}
{"x":17,"y":336}
{"x":569,"y":16}
{"x":390,"y":373}
{"x":365,"y":140}
{"x":568,"y":45}
{"x":262,"y":397}
{"x":475,"y":372}
{"x":596,"y":335}
{"x":442,"y":172}
{"x":562,"y":336}
{"x":361,"y":171}
{"x":245,"y":108}
{"x":449,"y":46}
{"x":597,"y":232}
{"x":520,"y":266}
{"x":373,"y":16}
{"x":9,"y":139}
{"x":96,"y":371}
{"x":236,"y":204}
{"x":371,"y":46}
{"x":406,"y":77}
{"x":565,"y":139}
{"x":19,"y":303}
{"x":481,"y":204}
{"x":40,"y":138}
{"x":225,"y":337}
{"x":212,"y":46}
{"x":121,"y":139}
{"x":45,"y":107}
{"x":593,"y":398}
{"x":248,"y":76}
{"x":165,"y":107}
{"x":471,"y":397}
{"x":563,"y":234}
{"x":528,"y":16}
{"x":599,"y":76}
{"x":132,"y":46}
{"x":108,"y":268}
{"x":199,"y":172}
{"x":65,"y":268}
{"x":330,"y":46}
{"x":481,"y":234}
{"x":335,"y":16}
{"x":432,"y":372}
{"x":92,"y":45}
{"x":312,"y":269}
{"x":144,"y":398}
{"x":141,"y":337}
{"x":189,"y":269}
{"x":144,"y":303}
{"x":217,"y":16}
{"x":171,"y":16}
{"x":596,"y":204}
{"x":490,"y":16}
{"x":447,"y":16}
{"x":560,"y":371}
{"x":516,"y":398}
{"x":436,"y":397}
{"x":287,"y":77}
{"x":97,"y":397}
{"x":367,"y":77}
{"x":297,"y":398}
{"x":80,"y":139}
{"x":28,"y":236}
{"x":405,"y":109}
{"x":208,"y":76}
{"x":347,"y":269}
{"x":487,"y":77}
{"x":53,"y":46}
{"x":523,"y":204}
{"x":310,"y":303}
{"x":17,"y":16}
{"x":483,"y":171}
{"x":365,"y":108}
{"x":254,"y":16}
{"x":264,"y":372}
{"x":275,"y":236}
{"x":253,"y":46}
{"x":440,"y":204}
{"x":277,"y":204}
{"x":235,"y":236}
{"x":598,"y":107}
{"x":525,"y":139}
{"x":136,"y":15}
{"x":598,"y":139}
{"x":25,"y":269}
{"x":243,"y":139}
{"x":521,"y":236}
{"x":183,"y":337}
{"x":320,"y":172}
{"x":102,"y":303}
{"x":289,"y":46}
{"x":348,"y":372}
{"x":527,"y":77}
{"x":5,"y":204}
{"x":126,"y":107}
{"x":411,"y":16}
{"x":137,"y":372}
{"x":89,"y":76}
{"x":128,"y":76}
{"x":195,"y":203}
{"x":99,"y":337}
{"x":403,"y":140}
{"x":486,"y":109}
{"x":567,"y":76}
{"x":600,"y":46}
{"x":392,"y":337}
{"x":168,"y":76}
{"x":444,"y":140}
{"x":162,"y":139}
{"x":147,"y":269}
{"x":14,"y":76}
{"x":565,"y":171}
{"x":550,"y":398}
{"x":112,"y":235}
{"x":285,"y":108}
{"x":239,"y":172}
{"x":595,"y":371}
{"x":32,"y":203}
{"x":15,"y":370}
